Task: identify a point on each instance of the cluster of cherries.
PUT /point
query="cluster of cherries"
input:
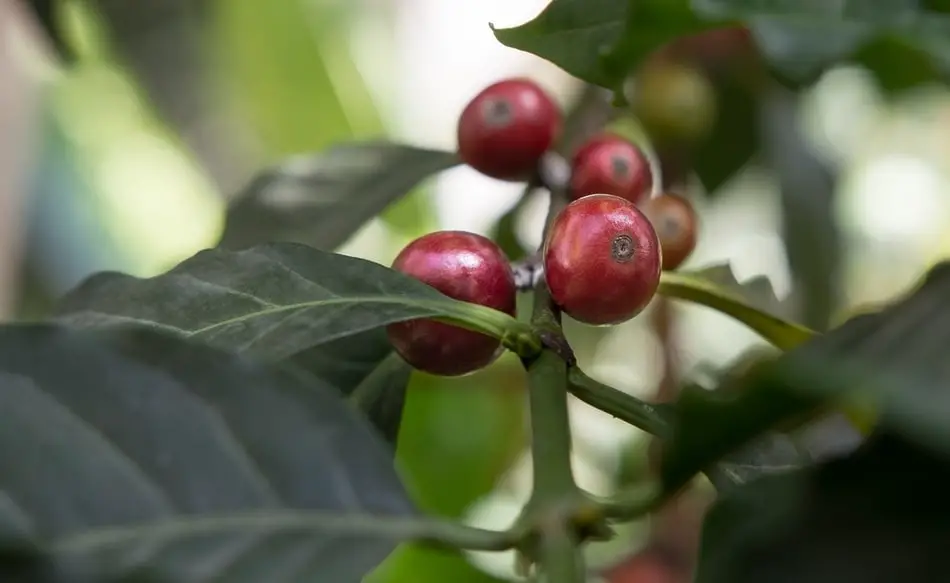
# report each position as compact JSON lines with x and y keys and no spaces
{"x":602,"y":256}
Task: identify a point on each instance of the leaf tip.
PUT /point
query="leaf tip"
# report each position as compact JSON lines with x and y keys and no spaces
{"x":505,"y":35}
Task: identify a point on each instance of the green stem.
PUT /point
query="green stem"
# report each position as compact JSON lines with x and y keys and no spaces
{"x":555,"y":492}
{"x":627,"y":408}
{"x":560,"y":559}
{"x":550,"y":428}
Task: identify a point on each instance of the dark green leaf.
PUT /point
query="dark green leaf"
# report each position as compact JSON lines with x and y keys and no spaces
{"x":362,"y":364}
{"x":273,"y":300}
{"x":809,"y":228}
{"x":736,"y":435}
{"x":777,"y":452}
{"x":322,"y":199}
{"x":773,"y":451}
{"x":802,"y":38}
{"x":930,"y":33}
{"x":603,"y":41}
{"x":650,"y":24}
{"x":897,"y":64}
{"x":769,"y":454}
{"x":733,"y":140}
{"x":800,"y":49}
{"x":345,"y":362}
{"x":878,"y":516}
{"x":382,"y":395}
{"x":892,"y":360}
{"x":277,"y":301}
{"x":572,"y":34}
{"x":942,"y":6}
{"x":135,"y":453}
{"x":712,"y":425}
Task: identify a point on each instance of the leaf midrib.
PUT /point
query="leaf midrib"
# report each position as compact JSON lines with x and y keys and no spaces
{"x":427,"y":305}
{"x":307,"y":521}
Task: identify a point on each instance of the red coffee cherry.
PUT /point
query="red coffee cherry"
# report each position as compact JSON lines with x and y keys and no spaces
{"x":466,"y":267}
{"x":506,"y":128}
{"x":609,"y":164}
{"x":674,"y":220}
{"x":602,"y":260}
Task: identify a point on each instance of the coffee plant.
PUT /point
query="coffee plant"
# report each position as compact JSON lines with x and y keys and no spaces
{"x":235,"y":418}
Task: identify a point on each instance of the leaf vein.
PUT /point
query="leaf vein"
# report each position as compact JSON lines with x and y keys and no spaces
{"x":314,"y":521}
{"x":200,"y":281}
{"x":251,"y":544}
{"x":15,"y":513}
{"x":229,"y":437}
{"x":425,"y":307}
{"x":137,"y":472}
{"x":275,"y":259}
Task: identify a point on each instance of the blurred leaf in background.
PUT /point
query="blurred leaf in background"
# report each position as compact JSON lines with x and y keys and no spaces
{"x":304,"y":92}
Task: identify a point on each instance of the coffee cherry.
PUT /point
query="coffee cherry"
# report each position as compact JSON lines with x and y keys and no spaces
{"x":675,"y":102}
{"x":674,"y":220}
{"x":609,"y":164}
{"x":602,"y":260}
{"x":463,"y":266}
{"x":505,"y":129}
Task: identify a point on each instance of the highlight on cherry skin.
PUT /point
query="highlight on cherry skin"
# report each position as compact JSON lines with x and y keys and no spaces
{"x":466,"y":267}
{"x":609,"y":164}
{"x":602,"y":260}
{"x":505,"y":130}
{"x":676,"y":224}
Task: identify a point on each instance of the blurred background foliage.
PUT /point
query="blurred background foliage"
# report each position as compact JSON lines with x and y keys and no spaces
{"x":171,"y":106}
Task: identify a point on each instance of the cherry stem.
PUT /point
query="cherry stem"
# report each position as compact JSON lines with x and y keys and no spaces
{"x":527,"y":272}
{"x":627,"y":408}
